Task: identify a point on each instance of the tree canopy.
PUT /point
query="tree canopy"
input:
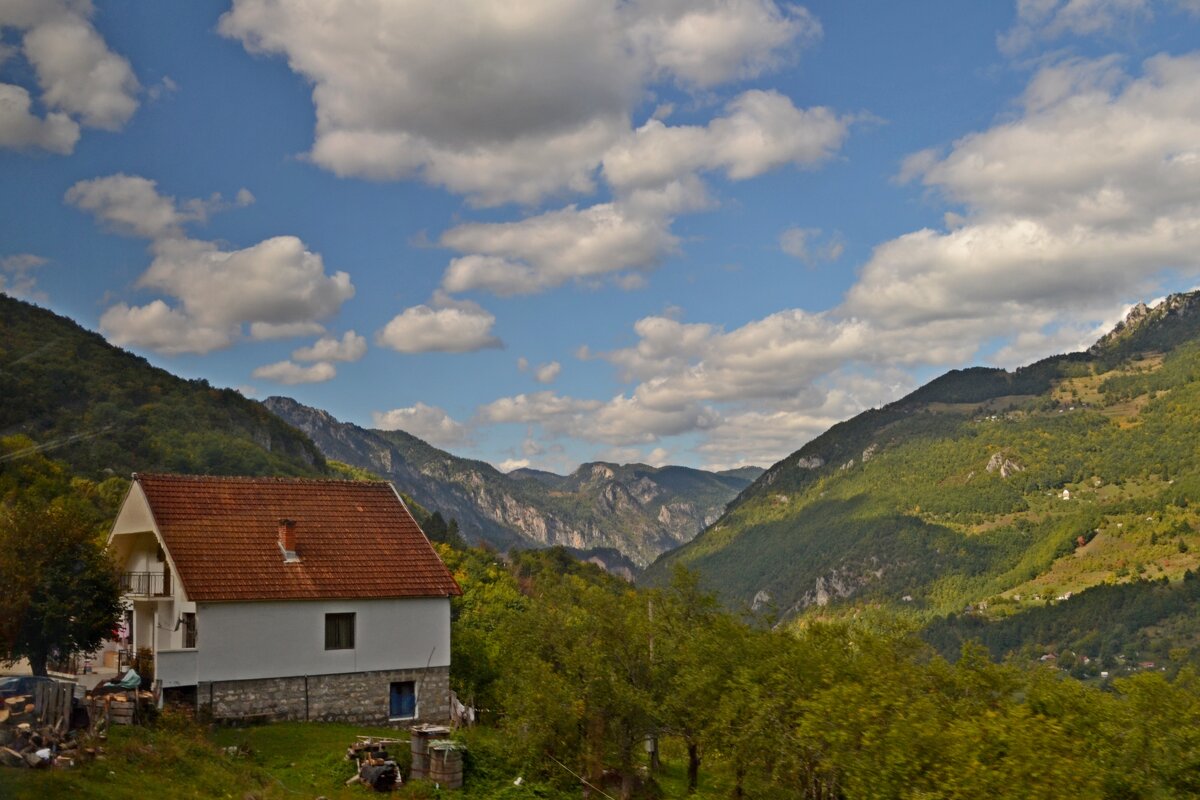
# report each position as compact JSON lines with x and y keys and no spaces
{"x":59,"y":591}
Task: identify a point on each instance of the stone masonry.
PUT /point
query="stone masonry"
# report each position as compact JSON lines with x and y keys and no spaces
{"x":357,"y":697}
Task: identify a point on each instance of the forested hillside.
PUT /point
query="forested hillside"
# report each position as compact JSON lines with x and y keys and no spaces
{"x":621,"y":515}
{"x":98,"y":413}
{"x":996,"y":490}
{"x":577,"y":670}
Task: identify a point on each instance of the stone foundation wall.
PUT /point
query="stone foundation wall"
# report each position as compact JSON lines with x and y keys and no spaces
{"x":357,"y":697}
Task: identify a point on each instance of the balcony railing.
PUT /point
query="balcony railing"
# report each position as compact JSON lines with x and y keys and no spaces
{"x":146,"y":584}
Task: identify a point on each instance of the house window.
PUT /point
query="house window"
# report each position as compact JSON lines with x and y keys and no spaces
{"x":339,"y":631}
{"x":189,"y":630}
{"x":402,"y":703}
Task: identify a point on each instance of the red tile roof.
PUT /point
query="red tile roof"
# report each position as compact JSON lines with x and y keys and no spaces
{"x":354,"y":539}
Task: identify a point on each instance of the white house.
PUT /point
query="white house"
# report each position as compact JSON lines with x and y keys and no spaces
{"x":287,"y":598}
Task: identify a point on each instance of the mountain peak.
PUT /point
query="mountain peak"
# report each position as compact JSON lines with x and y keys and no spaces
{"x":1142,"y":319}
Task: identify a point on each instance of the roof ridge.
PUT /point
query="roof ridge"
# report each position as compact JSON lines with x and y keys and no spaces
{"x":255,"y":479}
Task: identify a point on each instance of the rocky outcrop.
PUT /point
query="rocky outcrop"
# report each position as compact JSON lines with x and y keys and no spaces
{"x":1005,"y":465}
{"x":838,"y":584}
{"x":1143,"y":316}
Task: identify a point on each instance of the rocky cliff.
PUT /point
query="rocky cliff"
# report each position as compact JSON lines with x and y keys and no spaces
{"x":635,"y":510}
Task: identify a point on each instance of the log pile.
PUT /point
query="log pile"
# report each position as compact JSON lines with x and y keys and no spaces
{"x":375,"y":767}
{"x":41,"y":737}
{"x":121,"y":708}
{"x":50,"y":729}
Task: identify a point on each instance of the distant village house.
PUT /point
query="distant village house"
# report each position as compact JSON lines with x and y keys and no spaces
{"x":286,"y":598}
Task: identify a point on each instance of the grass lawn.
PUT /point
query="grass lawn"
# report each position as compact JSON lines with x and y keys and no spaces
{"x":180,"y":759}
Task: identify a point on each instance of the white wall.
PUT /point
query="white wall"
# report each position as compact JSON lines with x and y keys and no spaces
{"x":176,"y":667}
{"x":284,"y":638}
{"x":135,"y":515}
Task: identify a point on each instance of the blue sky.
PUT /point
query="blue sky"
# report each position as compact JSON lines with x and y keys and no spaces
{"x":675,"y":232}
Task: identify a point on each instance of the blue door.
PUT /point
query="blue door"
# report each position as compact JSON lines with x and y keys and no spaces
{"x":403,"y":701}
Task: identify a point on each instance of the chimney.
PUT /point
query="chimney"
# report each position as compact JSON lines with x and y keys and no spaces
{"x":287,"y":539}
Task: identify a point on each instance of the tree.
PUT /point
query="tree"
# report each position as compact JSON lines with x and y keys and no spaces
{"x":697,"y":648}
{"x":580,"y":685}
{"x":59,"y":591}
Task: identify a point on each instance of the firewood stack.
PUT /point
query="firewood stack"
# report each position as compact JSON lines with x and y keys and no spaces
{"x":41,"y":737}
{"x":376,"y":768}
{"x":122,"y":708}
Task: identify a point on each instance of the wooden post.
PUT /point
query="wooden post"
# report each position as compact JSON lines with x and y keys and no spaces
{"x":39,"y":700}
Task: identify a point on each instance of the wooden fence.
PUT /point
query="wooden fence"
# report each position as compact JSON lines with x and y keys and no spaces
{"x":52,"y":704}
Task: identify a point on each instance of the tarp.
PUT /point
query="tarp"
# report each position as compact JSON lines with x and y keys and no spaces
{"x":130,"y":680}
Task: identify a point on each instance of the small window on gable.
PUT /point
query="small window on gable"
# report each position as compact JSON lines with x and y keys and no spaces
{"x":339,"y":631}
{"x":402,"y":700}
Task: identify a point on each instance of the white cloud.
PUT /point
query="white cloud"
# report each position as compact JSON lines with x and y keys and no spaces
{"x":21,"y":262}
{"x":550,"y":249}
{"x":795,"y":242}
{"x":628,"y":420}
{"x":1080,"y":202}
{"x":277,"y":287}
{"x":547,"y":373}
{"x":1045,"y":20}
{"x":710,"y":43}
{"x":805,"y":245}
{"x":496,"y":102}
{"x":774,"y":357}
{"x":80,"y":79}
{"x":131,"y":205}
{"x":275,"y":282}
{"x":534,"y":408}
{"x":430,"y":423}
{"x":165,"y":87}
{"x":163,"y":329}
{"x":761,"y":132}
{"x":351,"y":347}
{"x":291,"y":373}
{"x":16,"y":275}
{"x":620,"y":421}
{"x":79,"y":74}
{"x":445,"y":327}
{"x":260,"y":331}
{"x":21,"y":129}
{"x":510,"y":464}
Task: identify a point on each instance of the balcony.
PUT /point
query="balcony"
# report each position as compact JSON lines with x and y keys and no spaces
{"x":146,"y":584}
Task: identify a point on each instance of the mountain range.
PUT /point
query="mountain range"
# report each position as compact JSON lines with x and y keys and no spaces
{"x":622,"y":515}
